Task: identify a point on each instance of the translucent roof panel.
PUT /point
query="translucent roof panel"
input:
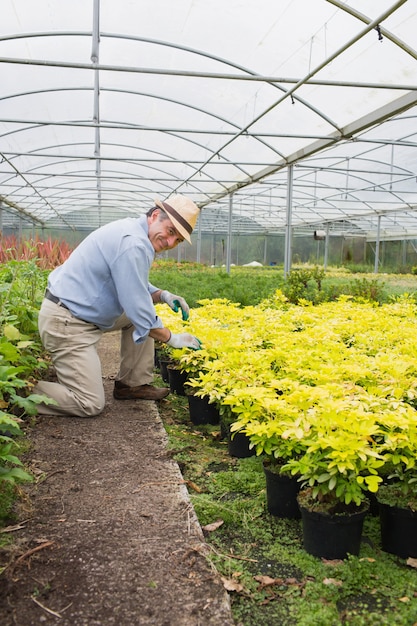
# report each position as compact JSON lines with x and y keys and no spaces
{"x":105,"y":106}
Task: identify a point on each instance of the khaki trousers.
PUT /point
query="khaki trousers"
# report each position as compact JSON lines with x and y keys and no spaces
{"x":72,"y":344}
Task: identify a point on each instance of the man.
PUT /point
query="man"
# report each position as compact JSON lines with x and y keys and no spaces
{"x":104,"y":286}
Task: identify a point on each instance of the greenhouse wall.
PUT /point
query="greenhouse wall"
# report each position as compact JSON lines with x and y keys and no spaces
{"x":354,"y":252}
{"x":351,"y":252}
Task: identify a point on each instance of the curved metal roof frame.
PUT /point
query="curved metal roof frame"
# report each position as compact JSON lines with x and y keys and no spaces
{"x":105,"y":106}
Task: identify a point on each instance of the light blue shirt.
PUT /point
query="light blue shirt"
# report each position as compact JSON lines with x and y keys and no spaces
{"x":107,"y":274}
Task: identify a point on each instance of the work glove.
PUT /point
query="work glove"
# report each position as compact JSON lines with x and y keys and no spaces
{"x":184,"y":340}
{"x":176,"y":302}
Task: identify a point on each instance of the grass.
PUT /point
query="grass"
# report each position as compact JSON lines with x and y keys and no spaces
{"x":195,"y":282}
{"x":8,"y":496}
{"x":271,"y":578}
{"x":249,"y":286}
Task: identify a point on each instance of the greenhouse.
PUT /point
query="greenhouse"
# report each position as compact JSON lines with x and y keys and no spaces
{"x":222,"y":433}
{"x":283,"y":121}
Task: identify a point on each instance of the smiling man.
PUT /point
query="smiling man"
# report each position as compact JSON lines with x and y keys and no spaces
{"x":104,"y":286}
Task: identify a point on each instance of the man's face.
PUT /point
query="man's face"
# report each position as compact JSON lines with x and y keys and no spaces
{"x":161,"y":232}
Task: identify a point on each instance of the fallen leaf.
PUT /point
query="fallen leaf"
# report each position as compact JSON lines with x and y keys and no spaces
{"x":213,"y":526}
{"x":193,"y":486}
{"x":332,"y":561}
{"x":11,"y":529}
{"x":37,"y":471}
{"x":267,"y":581}
{"x":332,"y":581}
{"x":412,"y":562}
{"x":232,"y":585}
{"x":404,"y":599}
{"x":367,"y":558}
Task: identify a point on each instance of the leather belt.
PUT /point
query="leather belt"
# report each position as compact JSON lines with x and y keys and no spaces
{"x":50,"y":296}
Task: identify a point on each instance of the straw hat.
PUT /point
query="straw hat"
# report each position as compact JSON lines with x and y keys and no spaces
{"x":182,"y":212}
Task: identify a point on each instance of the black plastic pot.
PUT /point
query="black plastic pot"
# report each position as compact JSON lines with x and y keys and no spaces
{"x":238,"y":445}
{"x":398,"y":530}
{"x":163,"y":368}
{"x":176,"y":379}
{"x":373,"y":504}
{"x":332,"y":536}
{"x":224,"y":430}
{"x":281,"y":494}
{"x":201,"y":411}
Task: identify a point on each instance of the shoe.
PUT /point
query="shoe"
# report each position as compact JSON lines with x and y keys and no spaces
{"x":142,"y":392}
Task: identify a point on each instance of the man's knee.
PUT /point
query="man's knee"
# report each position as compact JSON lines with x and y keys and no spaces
{"x":92,"y":408}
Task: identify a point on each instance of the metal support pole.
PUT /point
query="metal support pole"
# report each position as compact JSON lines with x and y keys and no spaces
{"x":199,"y":236}
{"x":378,"y":235}
{"x":326,"y":246}
{"x":96,"y":113}
{"x":229,"y":235}
{"x":288,"y":225}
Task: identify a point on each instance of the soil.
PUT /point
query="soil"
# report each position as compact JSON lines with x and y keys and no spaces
{"x":107,"y":534}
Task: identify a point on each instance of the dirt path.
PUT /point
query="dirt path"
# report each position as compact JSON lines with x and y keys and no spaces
{"x":111,"y":536}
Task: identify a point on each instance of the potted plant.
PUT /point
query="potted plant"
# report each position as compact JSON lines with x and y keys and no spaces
{"x":163,"y":358}
{"x":340,"y":465}
{"x":246,"y":406}
{"x":203,"y":410}
{"x":171,"y":367}
{"x":238,"y":443}
{"x":279,"y":439}
{"x":177,"y":377}
{"x":202,"y":388}
{"x":397,"y":496}
{"x":191,"y":364}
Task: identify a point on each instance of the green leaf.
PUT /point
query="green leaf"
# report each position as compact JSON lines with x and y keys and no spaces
{"x":6,"y":456}
{"x":323,"y":478}
{"x":24,"y":344}
{"x":36,"y":397}
{"x":9,"y":423}
{"x":14,"y":474}
{"x":332,"y":482}
{"x":373,"y":483}
{"x":11,"y":332}
{"x":9,"y":351}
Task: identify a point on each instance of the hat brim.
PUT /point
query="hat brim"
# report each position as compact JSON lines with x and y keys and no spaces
{"x":177,"y":225}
